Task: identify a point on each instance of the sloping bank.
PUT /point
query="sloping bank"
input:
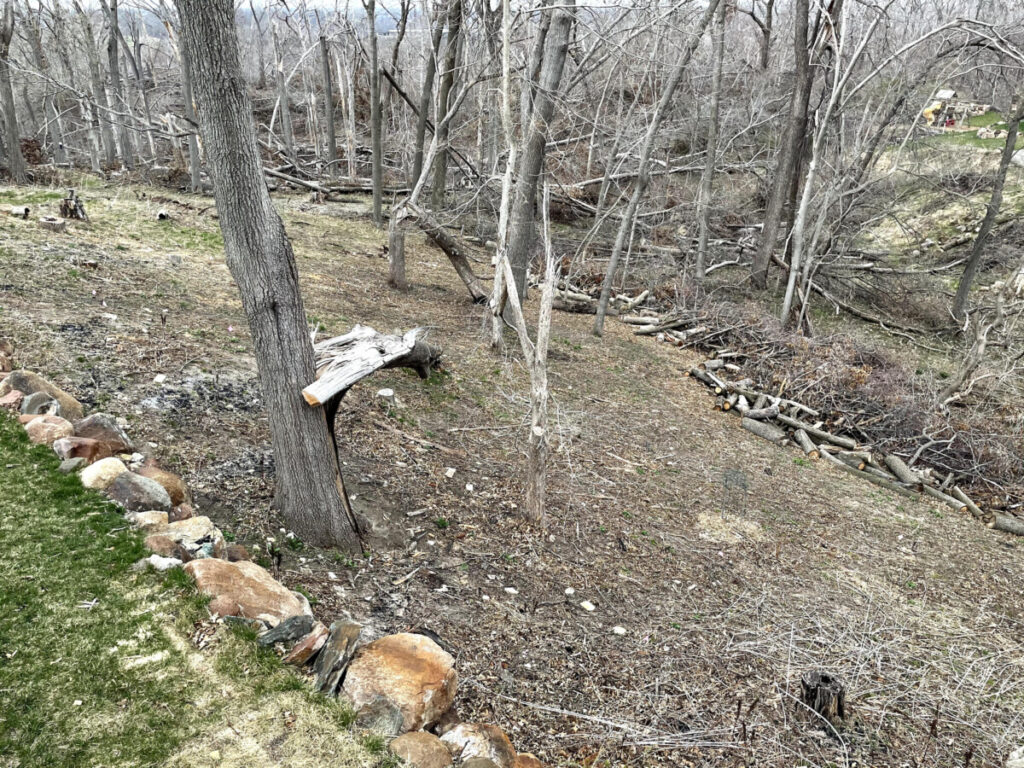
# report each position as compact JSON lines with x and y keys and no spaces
{"x":99,"y":663}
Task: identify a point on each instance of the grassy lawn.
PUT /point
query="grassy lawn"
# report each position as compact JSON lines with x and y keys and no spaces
{"x":96,"y":666}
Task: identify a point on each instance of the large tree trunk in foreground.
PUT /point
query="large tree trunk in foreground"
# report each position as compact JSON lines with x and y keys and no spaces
{"x":310,"y":492}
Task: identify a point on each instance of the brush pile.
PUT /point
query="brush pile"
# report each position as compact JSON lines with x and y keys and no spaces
{"x":858,"y":409}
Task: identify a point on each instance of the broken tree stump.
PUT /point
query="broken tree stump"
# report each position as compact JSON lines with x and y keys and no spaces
{"x":71,"y":207}
{"x":52,"y":223}
{"x":824,"y":693}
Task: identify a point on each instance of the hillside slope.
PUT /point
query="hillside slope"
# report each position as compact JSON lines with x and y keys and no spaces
{"x":720,"y":568}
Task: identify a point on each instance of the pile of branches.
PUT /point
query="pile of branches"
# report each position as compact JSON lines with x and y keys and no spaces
{"x":853,"y":399}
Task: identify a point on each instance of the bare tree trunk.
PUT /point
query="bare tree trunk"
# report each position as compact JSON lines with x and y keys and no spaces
{"x":524,"y":200}
{"x":447,"y":81}
{"x":261,"y":81}
{"x":282,"y":96}
{"x":195,"y":164}
{"x":644,"y":171}
{"x":711,"y":150}
{"x":116,"y":90}
{"x":376,"y":140}
{"x":325,"y":73}
{"x":426,"y":96}
{"x":50,"y":113}
{"x":963,"y":291}
{"x":15,"y":160}
{"x":100,"y":109}
{"x":310,"y":492}
{"x":793,"y":140}
{"x":396,"y":255}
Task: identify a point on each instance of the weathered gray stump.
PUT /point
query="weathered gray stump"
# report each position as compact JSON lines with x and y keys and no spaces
{"x":825,"y":694}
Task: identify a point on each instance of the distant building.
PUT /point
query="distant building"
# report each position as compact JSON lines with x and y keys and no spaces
{"x":948,"y":110}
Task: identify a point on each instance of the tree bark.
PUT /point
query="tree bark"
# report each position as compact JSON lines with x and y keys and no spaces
{"x":15,"y":160}
{"x":707,"y":178}
{"x":995,"y":203}
{"x":793,"y":140}
{"x":426,"y":96}
{"x":442,"y":131}
{"x":524,"y":201}
{"x":310,"y":492}
{"x":325,"y":74}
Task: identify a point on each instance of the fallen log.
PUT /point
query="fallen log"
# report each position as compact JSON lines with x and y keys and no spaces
{"x":821,"y":434}
{"x":901,"y":470}
{"x":763,"y":414}
{"x":1008,"y":524}
{"x":344,"y":360}
{"x":764,"y":429}
{"x":710,"y":379}
{"x":453,"y":249}
{"x":973,"y":508}
{"x":881,"y":482}
{"x":805,"y":443}
{"x":949,"y":501}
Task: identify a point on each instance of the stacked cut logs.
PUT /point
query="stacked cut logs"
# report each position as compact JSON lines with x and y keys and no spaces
{"x":783,"y":421}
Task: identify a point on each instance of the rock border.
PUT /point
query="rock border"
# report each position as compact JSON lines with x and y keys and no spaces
{"x":401,"y":686}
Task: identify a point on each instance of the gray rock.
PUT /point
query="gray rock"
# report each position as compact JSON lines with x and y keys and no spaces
{"x":40,"y":402}
{"x":336,"y":654}
{"x":138,"y":494}
{"x":105,"y":429}
{"x":380,"y":716}
{"x":70,"y":466}
{"x":288,"y":630}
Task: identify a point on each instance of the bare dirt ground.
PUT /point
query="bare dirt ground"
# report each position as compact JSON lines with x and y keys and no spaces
{"x":719,"y":567}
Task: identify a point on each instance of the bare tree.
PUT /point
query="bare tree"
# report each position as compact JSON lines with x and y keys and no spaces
{"x":15,"y":160}
{"x":310,"y":492}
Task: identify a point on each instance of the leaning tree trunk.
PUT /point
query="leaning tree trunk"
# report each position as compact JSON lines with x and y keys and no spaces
{"x":15,"y":162}
{"x":644,"y":172}
{"x":310,"y":492}
{"x":521,"y":229}
{"x":963,"y":291}
{"x":793,"y":140}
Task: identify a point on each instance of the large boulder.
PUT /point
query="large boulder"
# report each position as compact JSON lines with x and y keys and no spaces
{"x":173,"y":484}
{"x":100,"y":475}
{"x":244,"y":589}
{"x":105,"y":429}
{"x":421,"y":750}
{"x":12,"y":401}
{"x":475,"y":740}
{"x":40,"y":402}
{"x":136,"y":493}
{"x":412,"y":671}
{"x":45,"y":430}
{"x":30,"y":383}
{"x":80,"y":448}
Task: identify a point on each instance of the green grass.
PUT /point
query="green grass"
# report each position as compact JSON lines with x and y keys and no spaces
{"x":983,"y":121}
{"x":95,"y":664}
{"x":29,"y":196}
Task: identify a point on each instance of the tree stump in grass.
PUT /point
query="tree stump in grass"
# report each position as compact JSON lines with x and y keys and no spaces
{"x":53,"y":224}
{"x":825,"y":694}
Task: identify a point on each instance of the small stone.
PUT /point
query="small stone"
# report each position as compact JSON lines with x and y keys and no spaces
{"x":380,"y":716}
{"x":40,"y":402}
{"x":46,"y":429}
{"x":512,"y":590}
{"x":105,"y":429}
{"x":160,"y":563}
{"x":421,"y":750}
{"x":160,"y":378}
{"x":235,"y":553}
{"x":1016,"y":759}
{"x":173,"y":484}
{"x":570,"y":591}
{"x":336,"y":655}
{"x":70,"y":466}
{"x":80,"y":447}
{"x":134,"y":492}
{"x":181,"y":512}
{"x":30,"y":383}
{"x":100,"y":475}
{"x":467,"y":741}
{"x":617,"y":630}
{"x":290,"y":629}
{"x":450,"y":472}
{"x":307,"y":647}
{"x":12,"y":401}
{"x":586,"y":605}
